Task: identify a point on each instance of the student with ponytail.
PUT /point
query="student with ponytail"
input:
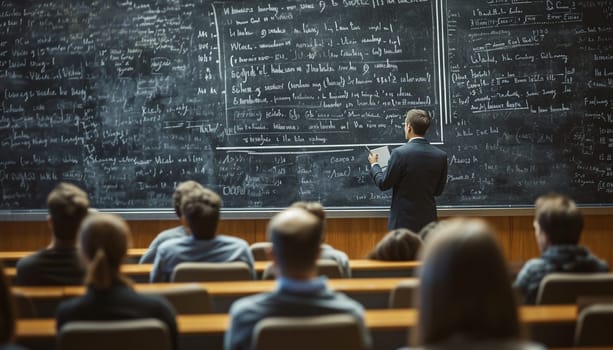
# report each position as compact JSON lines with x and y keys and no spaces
{"x":104,"y":240}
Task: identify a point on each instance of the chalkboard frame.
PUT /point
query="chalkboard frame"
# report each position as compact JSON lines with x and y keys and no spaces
{"x":332,"y":212}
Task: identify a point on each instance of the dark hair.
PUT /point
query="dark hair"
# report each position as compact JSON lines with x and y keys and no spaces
{"x":464,"y":287}
{"x":181,"y":190}
{"x":559,"y":218}
{"x":200,"y":209}
{"x":397,"y":245}
{"x":419,"y":121}
{"x":7,"y":309}
{"x":425,"y":231}
{"x":316,"y":209}
{"x":104,"y":241}
{"x":296,"y":238}
{"x":68,"y":205}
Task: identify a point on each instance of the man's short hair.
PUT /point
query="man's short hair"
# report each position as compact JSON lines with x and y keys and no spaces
{"x":419,"y":121}
{"x":316,"y":209}
{"x":559,"y":218}
{"x":68,"y":205}
{"x":200,"y":209}
{"x":181,"y":190}
{"x":295,"y":234}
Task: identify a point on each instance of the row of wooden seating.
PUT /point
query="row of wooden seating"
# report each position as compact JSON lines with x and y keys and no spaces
{"x":551,"y":325}
{"x":361,"y":268}
{"x":373,"y":293}
{"x":376,"y":293}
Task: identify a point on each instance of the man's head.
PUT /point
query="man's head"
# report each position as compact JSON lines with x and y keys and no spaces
{"x":181,"y":190}
{"x":416,"y":123}
{"x":200,"y":211}
{"x":68,"y":205}
{"x":557,"y":220}
{"x":296,"y":237}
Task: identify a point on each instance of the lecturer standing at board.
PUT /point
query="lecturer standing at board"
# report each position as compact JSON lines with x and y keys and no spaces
{"x":416,"y":173}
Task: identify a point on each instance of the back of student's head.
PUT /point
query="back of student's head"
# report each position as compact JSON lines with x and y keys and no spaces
{"x":68,"y":205}
{"x":419,"y":120}
{"x":559,"y":218}
{"x":200,"y":209}
{"x":296,"y":237}
{"x":104,"y":241}
{"x":464,"y":291}
{"x":397,"y":245}
{"x":314,"y":208}
{"x":7,"y":310}
{"x":181,"y":190}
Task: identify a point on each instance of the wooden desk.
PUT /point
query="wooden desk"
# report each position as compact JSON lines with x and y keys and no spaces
{"x":360,"y":269}
{"x":12,"y":257}
{"x":381,"y":323}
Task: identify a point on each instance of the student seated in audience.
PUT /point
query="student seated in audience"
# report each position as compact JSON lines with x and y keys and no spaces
{"x":7,"y":314}
{"x":327,"y":251}
{"x":397,"y":245}
{"x":175,"y":232}
{"x":200,"y":213}
{"x":296,"y":237}
{"x":104,"y":240}
{"x":58,"y":264}
{"x":465,"y":299}
{"x":557,"y":226}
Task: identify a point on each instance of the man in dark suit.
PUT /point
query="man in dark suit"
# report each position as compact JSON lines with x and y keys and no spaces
{"x":417,"y":172}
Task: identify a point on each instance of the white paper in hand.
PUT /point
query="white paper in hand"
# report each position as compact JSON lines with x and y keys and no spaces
{"x":383,"y":153}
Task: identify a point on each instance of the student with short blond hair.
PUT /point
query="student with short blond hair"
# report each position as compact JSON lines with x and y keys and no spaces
{"x":327,"y":251}
{"x":58,"y":264}
{"x":296,"y":235}
{"x":558,"y":223}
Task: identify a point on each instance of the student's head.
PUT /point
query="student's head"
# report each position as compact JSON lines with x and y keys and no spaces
{"x":296,"y":238}
{"x":104,"y":241}
{"x":68,"y":205}
{"x":200,"y":210}
{"x":314,"y":208}
{"x":416,"y":123}
{"x":181,"y":190}
{"x":464,"y":290}
{"x":397,"y":245}
{"x":425,"y":231}
{"x":557,"y":220}
{"x":7,"y":310}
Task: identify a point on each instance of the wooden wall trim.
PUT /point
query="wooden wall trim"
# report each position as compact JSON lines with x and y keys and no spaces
{"x":355,"y":236}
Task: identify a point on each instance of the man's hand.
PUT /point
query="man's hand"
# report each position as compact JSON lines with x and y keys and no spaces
{"x":373,"y":158}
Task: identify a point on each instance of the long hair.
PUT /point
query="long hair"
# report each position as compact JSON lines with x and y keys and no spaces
{"x":465,"y":291}
{"x":104,"y":240}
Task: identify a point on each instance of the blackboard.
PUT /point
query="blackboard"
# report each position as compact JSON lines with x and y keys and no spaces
{"x":269,"y":102}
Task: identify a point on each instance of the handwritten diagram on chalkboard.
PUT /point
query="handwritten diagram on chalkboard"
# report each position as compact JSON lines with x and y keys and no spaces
{"x":269,"y":102}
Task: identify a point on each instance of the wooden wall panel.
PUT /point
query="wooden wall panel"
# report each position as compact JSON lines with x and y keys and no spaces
{"x":355,"y":236}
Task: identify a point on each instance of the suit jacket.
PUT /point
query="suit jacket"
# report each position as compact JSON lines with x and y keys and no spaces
{"x":416,"y":173}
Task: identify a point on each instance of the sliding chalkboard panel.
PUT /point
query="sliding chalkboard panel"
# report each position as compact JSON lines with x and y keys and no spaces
{"x":271,"y":102}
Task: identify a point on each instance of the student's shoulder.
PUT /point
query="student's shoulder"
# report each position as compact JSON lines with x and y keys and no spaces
{"x":253,"y":304}
{"x":231,"y":239}
{"x":170,"y":244}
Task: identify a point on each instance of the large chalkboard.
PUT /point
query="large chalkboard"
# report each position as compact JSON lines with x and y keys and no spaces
{"x":269,"y":102}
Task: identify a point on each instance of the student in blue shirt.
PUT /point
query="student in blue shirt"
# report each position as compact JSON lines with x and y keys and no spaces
{"x":200,"y":214}
{"x":176,"y":232}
